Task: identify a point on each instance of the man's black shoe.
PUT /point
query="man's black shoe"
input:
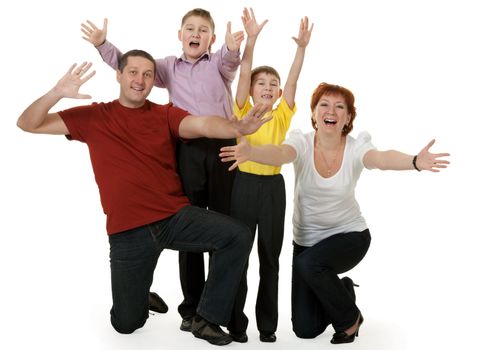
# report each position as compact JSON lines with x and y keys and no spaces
{"x":157,"y":304}
{"x":267,"y":338}
{"x":239,"y":337}
{"x":186,"y":324}
{"x":210,"y":332}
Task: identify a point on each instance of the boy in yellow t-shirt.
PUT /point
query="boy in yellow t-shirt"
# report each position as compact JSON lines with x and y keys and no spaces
{"x":258,"y":194}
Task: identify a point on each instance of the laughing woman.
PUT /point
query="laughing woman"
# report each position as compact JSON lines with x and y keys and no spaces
{"x":330,"y":236}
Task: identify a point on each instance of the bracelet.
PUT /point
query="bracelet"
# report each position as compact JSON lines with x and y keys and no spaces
{"x":414,"y":162}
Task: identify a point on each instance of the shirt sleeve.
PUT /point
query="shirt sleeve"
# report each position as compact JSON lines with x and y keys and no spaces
{"x":241,"y":112}
{"x":78,"y":121}
{"x":110,"y":54}
{"x":228,"y":62}
{"x":363,"y":144}
{"x":163,"y":69}
{"x":297,"y":140}
{"x":174,"y":116}
{"x":284,"y":113}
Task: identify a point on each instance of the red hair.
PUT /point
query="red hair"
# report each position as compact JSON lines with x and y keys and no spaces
{"x":328,"y":89}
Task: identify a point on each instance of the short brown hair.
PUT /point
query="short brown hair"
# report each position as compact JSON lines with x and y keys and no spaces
{"x":135,"y":53}
{"x":199,"y":13}
{"x":264,"y":69}
{"x":329,"y":89}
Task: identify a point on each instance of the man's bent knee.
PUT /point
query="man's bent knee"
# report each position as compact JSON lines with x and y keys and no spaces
{"x":126,"y":327}
{"x":243,"y":234}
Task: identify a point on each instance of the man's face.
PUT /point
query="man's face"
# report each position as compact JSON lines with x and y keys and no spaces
{"x":136,"y":81}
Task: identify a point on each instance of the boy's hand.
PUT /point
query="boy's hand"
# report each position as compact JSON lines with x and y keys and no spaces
{"x":250,"y":24}
{"x":93,"y":34}
{"x":304,"y":33}
{"x":233,"y":40}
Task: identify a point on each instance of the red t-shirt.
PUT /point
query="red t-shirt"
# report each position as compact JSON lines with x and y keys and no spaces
{"x":133,"y":155}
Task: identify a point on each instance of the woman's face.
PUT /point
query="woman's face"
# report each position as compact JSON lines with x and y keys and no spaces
{"x":330,"y":114}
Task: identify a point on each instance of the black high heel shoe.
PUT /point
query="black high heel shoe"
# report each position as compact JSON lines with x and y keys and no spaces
{"x":349,"y":285}
{"x":342,"y":337}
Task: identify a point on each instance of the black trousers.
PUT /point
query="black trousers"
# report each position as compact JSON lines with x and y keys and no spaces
{"x":260,"y":200}
{"x":207,"y":184}
{"x":318,"y":297}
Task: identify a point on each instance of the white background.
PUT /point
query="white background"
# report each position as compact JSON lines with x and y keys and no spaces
{"x":418,"y":71}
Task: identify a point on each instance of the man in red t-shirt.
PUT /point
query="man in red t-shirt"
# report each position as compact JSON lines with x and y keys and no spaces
{"x":132,"y":149}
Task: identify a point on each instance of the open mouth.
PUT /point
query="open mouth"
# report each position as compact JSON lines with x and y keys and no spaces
{"x":194,"y":44}
{"x":137,"y":89}
{"x":330,"y":121}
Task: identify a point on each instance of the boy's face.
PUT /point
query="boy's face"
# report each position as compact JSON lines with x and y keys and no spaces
{"x":136,"y":81}
{"x":197,"y":36}
{"x":265,"y":89}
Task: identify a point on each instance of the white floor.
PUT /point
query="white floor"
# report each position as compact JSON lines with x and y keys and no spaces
{"x":72,"y":311}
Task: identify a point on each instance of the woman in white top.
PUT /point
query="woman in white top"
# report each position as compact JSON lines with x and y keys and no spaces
{"x":329,"y":233}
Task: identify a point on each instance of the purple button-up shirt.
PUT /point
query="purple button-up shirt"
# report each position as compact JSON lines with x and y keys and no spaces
{"x":201,"y":88}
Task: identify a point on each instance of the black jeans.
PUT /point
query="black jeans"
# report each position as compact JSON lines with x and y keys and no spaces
{"x":318,"y":295}
{"x":134,"y":254}
{"x":207,"y":184}
{"x":259,"y":200}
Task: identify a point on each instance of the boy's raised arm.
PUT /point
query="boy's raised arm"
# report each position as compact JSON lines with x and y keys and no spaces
{"x":230,"y":56}
{"x":109,"y":52}
{"x":93,"y":34}
{"x":302,"y":41}
{"x":252,"y":29}
{"x":98,"y":37}
{"x":233,"y":40}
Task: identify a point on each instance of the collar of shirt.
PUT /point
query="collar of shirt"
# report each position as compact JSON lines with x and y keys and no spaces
{"x":205,"y":55}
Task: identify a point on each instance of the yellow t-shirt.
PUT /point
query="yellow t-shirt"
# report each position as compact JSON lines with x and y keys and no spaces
{"x":273,"y":132}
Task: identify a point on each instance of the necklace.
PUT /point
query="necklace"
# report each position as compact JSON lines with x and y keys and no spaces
{"x":329,"y":166}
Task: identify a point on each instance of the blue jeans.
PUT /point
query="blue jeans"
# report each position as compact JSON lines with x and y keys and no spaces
{"x":318,"y":296}
{"x":134,"y":254}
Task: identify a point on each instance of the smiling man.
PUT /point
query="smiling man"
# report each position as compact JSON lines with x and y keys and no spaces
{"x":132,"y":145}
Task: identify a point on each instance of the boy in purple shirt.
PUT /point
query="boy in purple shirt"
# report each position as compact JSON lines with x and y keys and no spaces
{"x":200,"y":82}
